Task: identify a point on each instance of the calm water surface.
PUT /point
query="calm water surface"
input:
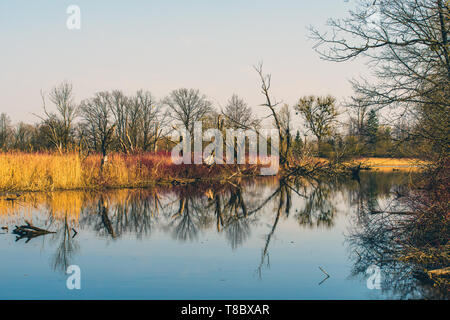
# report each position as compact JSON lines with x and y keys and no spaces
{"x":253,"y":239}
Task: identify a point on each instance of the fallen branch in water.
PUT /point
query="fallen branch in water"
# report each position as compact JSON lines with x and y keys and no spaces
{"x":29,"y":231}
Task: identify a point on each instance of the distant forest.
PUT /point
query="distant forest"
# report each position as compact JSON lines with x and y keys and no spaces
{"x":114,"y":122}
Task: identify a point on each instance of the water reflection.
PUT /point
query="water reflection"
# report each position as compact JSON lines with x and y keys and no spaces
{"x":233,"y":209}
{"x":373,"y":240}
{"x":318,"y":210}
{"x":67,"y":247}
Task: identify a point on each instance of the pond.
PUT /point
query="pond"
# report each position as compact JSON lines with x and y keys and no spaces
{"x":261,"y":238}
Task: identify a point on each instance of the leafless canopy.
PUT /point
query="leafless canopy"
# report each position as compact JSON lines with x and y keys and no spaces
{"x":406,"y":43}
{"x":98,"y":122}
{"x":60,"y":124}
{"x":187,"y":106}
{"x":238,"y":114}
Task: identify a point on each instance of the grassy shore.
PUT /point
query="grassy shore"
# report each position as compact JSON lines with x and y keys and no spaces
{"x":389,"y":163}
{"x":50,"y":172}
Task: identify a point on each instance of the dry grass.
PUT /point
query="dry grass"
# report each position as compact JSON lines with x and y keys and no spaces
{"x":50,"y":172}
{"x":392,"y":162}
{"x":381,"y":164}
{"x":30,"y":172}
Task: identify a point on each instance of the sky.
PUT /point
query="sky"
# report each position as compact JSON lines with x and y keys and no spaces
{"x":164,"y":45}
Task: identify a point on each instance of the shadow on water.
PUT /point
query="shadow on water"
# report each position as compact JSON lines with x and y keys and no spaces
{"x":233,"y":209}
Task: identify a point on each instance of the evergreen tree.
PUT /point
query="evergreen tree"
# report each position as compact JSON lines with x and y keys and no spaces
{"x":371,"y":129}
{"x":298,"y":143}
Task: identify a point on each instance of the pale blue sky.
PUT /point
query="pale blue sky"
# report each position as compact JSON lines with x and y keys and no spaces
{"x":164,"y":45}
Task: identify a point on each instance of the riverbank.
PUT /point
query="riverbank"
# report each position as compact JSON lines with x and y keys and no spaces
{"x":387,"y":164}
{"x":22,"y":172}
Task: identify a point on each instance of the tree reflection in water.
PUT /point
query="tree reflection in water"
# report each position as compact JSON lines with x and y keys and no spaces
{"x":375,"y":238}
{"x":235,"y":208}
{"x":67,"y":247}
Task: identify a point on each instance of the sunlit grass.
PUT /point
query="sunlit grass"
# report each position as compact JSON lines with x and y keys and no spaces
{"x":33,"y":171}
{"x":51,"y":172}
{"x":388,"y":164}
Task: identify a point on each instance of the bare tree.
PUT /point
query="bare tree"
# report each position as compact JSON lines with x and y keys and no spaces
{"x":358,"y":109}
{"x":60,"y":124}
{"x":319,"y":113}
{"x":23,"y":135}
{"x":272,"y":105}
{"x":98,"y":124}
{"x":119,"y":105}
{"x":134,"y":125}
{"x":153,"y":120}
{"x":285,"y":118}
{"x":5,"y":131}
{"x":187,"y":106}
{"x":238,"y":114}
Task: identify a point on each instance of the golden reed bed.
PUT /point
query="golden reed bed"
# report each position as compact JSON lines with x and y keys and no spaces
{"x":50,"y":172}
{"x":389,"y":164}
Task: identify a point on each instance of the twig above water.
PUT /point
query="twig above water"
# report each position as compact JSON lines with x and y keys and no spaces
{"x":324,"y":271}
{"x":327,"y":275}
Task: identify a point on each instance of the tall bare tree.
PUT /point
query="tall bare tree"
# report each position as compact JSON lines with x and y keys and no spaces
{"x":187,"y":106}
{"x":153,"y":120}
{"x":98,"y":123}
{"x":358,"y":109}
{"x":5,"y":131}
{"x":272,"y":105}
{"x":60,"y":123}
{"x":238,"y":114}
{"x":285,"y":118}
{"x":119,"y":104}
{"x":23,"y":135}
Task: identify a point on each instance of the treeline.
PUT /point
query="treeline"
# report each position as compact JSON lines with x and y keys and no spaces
{"x":360,"y":134}
{"x":111,"y":121}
